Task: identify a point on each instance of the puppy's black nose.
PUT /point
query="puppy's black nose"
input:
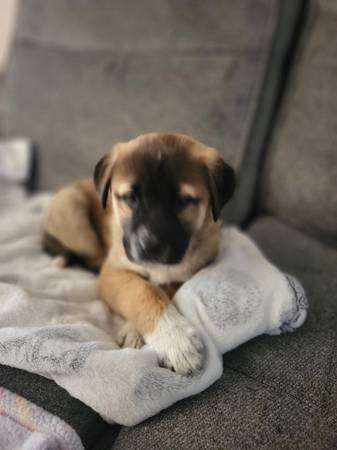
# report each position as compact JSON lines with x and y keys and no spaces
{"x":148,"y":242}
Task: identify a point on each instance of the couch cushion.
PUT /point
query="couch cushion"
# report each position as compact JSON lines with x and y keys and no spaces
{"x":276,"y":392}
{"x":315,"y":266}
{"x":141,"y":26}
{"x":81,"y":77}
{"x":300,"y":175}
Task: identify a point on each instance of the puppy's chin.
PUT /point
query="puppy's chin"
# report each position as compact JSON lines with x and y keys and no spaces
{"x":165,"y":256}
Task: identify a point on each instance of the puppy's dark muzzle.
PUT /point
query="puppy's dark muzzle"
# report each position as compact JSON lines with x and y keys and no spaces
{"x":148,"y":245}
{"x":160,"y":248}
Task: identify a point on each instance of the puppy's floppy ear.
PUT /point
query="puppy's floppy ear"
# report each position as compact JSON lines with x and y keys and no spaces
{"x":102,"y":178}
{"x":220,"y":179}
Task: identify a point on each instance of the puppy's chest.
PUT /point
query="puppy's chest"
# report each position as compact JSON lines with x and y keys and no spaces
{"x":165,"y":275}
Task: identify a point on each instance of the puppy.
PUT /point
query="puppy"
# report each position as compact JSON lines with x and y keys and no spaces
{"x":148,"y":222}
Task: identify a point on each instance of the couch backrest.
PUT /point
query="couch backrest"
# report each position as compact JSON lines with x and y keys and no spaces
{"x":300,"y":172}
{"x":85,"y":74}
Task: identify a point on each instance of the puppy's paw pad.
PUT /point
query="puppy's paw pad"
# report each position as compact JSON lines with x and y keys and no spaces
{"x":186,"y":353}
{"x":128,"y":337}
{"x":184,"y":359}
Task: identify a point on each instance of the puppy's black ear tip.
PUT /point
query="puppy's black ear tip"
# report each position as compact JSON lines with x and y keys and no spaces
{"x":105,"y":193}
{"x":215,"y":215}
{"x":102,"y":179}
{"x":231,"y":182}
{"x":221,"y":182}
{"x":98,"y":172}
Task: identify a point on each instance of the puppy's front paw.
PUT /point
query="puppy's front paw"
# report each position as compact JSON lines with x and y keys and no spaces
{"x":177,"y":343}
{"x":128,"y":337}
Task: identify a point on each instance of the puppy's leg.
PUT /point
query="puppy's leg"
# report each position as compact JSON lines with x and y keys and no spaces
{"x":149,"y":310}
{"x":69,"y":230}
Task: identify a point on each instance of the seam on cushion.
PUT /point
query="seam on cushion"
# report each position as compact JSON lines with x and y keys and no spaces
{"x":193,"y":51}
{"x":254,"y":107}
{"x":257,"y":83}
{"x":289,"y":25}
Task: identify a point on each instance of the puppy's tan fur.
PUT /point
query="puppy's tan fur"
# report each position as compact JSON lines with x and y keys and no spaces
{"x":77,"y":225}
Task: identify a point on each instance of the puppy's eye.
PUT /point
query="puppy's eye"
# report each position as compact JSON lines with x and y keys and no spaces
{"x":187,"y":200}
{"x":129,"y":198}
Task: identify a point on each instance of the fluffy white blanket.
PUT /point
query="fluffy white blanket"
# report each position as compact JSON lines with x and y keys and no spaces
{"x":53,"y":324}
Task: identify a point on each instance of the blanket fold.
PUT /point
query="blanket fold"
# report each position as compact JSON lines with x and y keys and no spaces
{"x":53,"y":324}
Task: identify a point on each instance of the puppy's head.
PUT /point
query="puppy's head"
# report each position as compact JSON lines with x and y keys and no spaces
{"x":163,"y":189}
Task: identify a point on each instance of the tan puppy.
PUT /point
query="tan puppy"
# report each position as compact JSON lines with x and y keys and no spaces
{"x":152,"y":226}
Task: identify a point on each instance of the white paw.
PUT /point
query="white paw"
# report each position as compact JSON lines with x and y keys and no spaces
{"x":128,"y":337}
{"x":176,"y":342}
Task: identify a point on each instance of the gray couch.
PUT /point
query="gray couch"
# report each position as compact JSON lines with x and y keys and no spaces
{"x":258,"y":80}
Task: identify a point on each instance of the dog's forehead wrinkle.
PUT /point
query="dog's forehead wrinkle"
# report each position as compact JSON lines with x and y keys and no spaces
{"x":154,"y":173}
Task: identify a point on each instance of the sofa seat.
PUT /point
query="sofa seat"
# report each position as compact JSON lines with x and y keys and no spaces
{"x":288,"y":381}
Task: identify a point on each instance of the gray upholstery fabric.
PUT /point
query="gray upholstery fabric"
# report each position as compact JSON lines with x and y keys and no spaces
{"x":276,"y":392}
{"x":300,"y":175}
{"x":81,"y":78}
{"x":143,"y":26}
